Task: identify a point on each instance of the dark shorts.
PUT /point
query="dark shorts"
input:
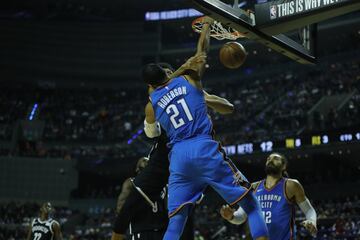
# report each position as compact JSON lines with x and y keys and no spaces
{"x":149,"y":235}
{"x":188,"y":233}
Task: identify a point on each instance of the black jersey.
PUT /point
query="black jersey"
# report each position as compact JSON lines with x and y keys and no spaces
{"x":145,"y":207}
{"x":160,"y":148}
{"x":42,"y":230}
{"x":154,"y":177}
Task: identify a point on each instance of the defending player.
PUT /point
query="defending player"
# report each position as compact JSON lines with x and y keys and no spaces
{"x":150,"y":221}
{"x":196,"y":161}
{"x":277,"y":196}
{"x":154,"y":177}
{"x":44,"y":227}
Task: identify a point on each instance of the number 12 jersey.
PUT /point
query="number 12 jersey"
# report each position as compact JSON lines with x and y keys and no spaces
{"x":279,"y":212}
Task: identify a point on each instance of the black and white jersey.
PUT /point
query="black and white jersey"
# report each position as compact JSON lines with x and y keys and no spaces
{"x":42,"y":230}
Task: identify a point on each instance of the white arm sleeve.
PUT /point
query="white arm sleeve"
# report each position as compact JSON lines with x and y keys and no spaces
{"x":152,"y":129}
{"x":239,"y":217}
{"x":308,"y":210}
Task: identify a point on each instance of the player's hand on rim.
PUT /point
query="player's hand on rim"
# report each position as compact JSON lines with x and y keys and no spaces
{"x":227,"y":212}
{"x":310,"y":227}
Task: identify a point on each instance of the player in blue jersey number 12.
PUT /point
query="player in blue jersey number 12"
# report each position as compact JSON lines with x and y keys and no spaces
{"x":278,"y":195}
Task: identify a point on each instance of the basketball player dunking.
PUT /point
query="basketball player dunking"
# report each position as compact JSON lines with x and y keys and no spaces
{"x":178,"y":105}
{"x":44,"y":227}
{"x":277,"y":195}
{"x":154,"y":177}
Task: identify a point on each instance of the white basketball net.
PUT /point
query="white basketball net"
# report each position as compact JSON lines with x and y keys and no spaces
{"x":217,"y":30}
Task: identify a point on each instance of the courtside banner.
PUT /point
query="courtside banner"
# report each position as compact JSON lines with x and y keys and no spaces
{"x":277,"y":11}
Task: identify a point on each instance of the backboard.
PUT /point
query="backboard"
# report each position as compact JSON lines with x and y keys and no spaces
{"x":271,"y":19}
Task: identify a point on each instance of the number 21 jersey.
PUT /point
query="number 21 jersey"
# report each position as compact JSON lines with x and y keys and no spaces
{"x":181,"y":110}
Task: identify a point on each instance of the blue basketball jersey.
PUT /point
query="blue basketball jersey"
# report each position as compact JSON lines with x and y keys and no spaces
{"x":279,"y":213}
{"x":181,"y":110}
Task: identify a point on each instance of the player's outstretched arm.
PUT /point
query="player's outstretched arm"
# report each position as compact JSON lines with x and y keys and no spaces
{"x":57,"y":231}
{"x":218,"y":104}
{"x":203,"y":44}
{"x":203,"y":47}
{"x":295,"y":190}
{"x":194,"y":68}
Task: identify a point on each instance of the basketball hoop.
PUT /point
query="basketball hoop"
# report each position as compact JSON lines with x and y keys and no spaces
{"x":217,"y":30}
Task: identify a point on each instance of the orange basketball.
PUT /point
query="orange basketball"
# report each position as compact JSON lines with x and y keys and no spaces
{"x":232,"y":55}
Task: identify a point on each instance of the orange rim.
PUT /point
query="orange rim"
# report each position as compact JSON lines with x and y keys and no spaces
{"x":218,"y":31}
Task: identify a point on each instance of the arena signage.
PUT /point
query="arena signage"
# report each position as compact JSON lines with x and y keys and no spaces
{"x":173,"y":14}
{"x":292,"y":143}
{"x":287,"y":15}
{"x":283,"y":8}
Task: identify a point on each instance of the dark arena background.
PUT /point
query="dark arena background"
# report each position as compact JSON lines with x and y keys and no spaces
{"x":72,"y":111}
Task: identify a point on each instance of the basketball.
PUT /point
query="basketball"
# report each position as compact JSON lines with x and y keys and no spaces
{"x":232,"y":55}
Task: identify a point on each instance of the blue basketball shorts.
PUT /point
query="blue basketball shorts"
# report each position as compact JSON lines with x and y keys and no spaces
{"x":197,"y":163}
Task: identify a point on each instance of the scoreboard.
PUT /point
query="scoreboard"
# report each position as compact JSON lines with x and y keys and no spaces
{"x":292,"y":143}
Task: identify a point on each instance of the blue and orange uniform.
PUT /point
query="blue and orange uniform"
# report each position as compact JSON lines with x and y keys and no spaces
{"x":196,"y":160}
{"x":278,"y":210}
